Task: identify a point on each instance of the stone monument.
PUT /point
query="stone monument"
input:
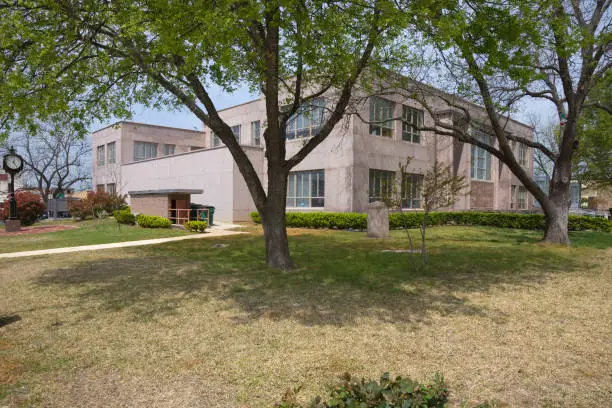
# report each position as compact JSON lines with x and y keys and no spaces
{"x":378,"y":220}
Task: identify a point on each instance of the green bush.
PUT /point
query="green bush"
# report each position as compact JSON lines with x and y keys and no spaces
{"x":125,"y":216}
{"x":152,"y":221}
{"x":414,"y":219}
{"x":386,"y":393}
{"x":196,"y":226}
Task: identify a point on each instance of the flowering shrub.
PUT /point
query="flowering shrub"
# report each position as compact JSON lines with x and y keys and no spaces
{"x":98,"y":204}
{"x":29,"y":207}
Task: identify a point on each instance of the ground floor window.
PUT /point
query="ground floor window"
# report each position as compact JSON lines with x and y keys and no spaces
{"x":306,"y":189}
{"x":518,"y":199}
{"x":412,"y":188}
{"x":111,"y":189}
{"x":100,"y":187}
{"x":382,"y":183}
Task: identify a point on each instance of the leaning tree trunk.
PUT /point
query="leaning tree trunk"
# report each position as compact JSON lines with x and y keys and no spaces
{"x":274,"y":225}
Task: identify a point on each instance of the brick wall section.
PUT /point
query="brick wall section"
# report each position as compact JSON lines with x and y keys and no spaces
{"x":481,"y":195}
{"x":150,"y":205}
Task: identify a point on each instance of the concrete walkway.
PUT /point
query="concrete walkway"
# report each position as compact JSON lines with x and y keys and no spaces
{"x":215,"y":231}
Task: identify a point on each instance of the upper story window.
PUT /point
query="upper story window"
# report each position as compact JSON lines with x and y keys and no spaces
{"x":215,"y":140}
{"x":307,"y":121}
{"x":522,"y":155}
{"x":256,"y":132}
{"x":111,"y":153}
{"x":412,"y":120}
{"x":481,"y":159}
{"x":381,"y":117}
{"x":382,"y":183}
{"x":144,"y":150}
{"x":100,"y":155}
{"x":412,"y":189}
{"x":169,"y":149}
{"x":306,"y":189}
{"x":236,"y":131}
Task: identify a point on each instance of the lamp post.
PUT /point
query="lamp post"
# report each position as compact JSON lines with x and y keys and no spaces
{"x":12,"y":164}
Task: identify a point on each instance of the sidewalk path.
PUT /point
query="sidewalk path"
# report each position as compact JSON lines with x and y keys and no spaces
{"x":220,"y":231}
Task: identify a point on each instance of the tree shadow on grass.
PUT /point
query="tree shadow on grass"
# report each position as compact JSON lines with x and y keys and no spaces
{"x":342,"y":278}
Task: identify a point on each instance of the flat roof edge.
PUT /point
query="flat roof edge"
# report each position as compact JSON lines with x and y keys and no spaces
{"x":166,"y":191}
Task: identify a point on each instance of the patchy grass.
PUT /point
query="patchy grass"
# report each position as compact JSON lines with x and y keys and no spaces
{"x":89,"y":232}
{"x":189,"y":325}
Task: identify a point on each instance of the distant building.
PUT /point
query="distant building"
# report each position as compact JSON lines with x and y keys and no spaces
{"x":4,"y":184}
{"x":575,"y":191}
{"x":163,"y":168}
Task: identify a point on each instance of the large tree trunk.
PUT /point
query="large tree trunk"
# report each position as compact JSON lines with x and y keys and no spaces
{"x":559,"y":198}
{"x":274,"y":224}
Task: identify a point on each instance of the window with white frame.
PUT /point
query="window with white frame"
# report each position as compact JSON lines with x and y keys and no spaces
{"x":111,"y":188}
{"x":236,"y":131}
{"x":307,"y":121}
{"x":382,"y":183}
{"x":381,"y":117}
{"x":412,"y":119}
{"x":100,"y":155}
{"x":481,"y":159}
{"x":518,"y":197}
{"x":111,"y":153}
{"x":522,"y":155}
{"x":144,"y":150}
{"x":412,"y":189}
{"x":169,"y":149}
{"x":215,"y":140}
{"x":256,"y":132}
{"x":306,"y":189}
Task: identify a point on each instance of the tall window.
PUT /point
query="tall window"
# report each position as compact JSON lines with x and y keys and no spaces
{"x":306,"y":189}
{"x":236,"y":131}
{"x":518,"y":197}
{"x":522,"y":155}
{"x":412,"y":188}
{"x":100,"y":155}
{"x":215,"y":140}
{"x":412,"y":119}
{"x":307,"y":121}
{"x":481,"y":159}
{"x":144,"y":150}
{"x":169,"y":149}
{"x":256,"y":132}
{"x":111,"y":188}
{"x":110,"y":153}
{"x":100,"y":187}
{"x":381,"y":117}
{"x":381,"y":184}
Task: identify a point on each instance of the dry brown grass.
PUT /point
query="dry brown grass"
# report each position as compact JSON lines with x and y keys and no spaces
{"x":184,"y":325}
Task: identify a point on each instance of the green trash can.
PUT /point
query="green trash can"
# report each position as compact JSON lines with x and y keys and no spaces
{"x":211,"y":212}
{"x":193,"y":214}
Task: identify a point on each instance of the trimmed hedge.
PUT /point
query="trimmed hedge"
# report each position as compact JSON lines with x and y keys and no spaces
{"x":196,"y":226}
{"x":414,"y":219}
{"x":153,"y":221}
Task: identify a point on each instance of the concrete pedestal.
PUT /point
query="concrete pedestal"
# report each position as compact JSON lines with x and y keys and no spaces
{"x":378,"y":220}
{"x":12,"y":225}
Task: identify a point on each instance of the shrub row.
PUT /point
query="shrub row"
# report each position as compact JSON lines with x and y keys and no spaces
{"x":125,"y":216}
{"x":196,"y":226}
{"x":414,"y":219}
{"x":152,"y":221}
{"x":386,"y":393}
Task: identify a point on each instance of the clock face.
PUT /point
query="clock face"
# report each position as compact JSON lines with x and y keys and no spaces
{"x":13,"y":162}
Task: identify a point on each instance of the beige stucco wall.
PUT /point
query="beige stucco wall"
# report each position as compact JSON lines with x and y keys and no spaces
{"x":150,"y":205}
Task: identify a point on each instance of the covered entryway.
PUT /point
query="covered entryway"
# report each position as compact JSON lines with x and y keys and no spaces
{"x":172,"y":204}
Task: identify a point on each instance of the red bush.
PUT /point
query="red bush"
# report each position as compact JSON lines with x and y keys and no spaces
{"x":30,"y":207}
{"x":97,"y":204}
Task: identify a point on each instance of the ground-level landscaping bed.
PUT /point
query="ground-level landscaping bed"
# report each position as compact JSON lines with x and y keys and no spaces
{"x":197,"y":324}
{"x":90,"y":232}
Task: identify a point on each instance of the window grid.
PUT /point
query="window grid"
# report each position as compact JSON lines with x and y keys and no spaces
{"x":144,"y":150}
{"x":100,"y":154}
{"x":236,"y":131}
{"x":111,"y":153}
{"x":381,"y":117}
{"x":111,"y":188}
{"x":522,"y":155}
{"x":412,"y":189}
{"x":216,"y":140}
{"x":521,"y":200}
{"x":481,"y":159}
{"x":412,"y":119}
{"x":169,"y":149}
{"x":306,"y":189}
{"x":100,"y":187}
{"x":381,"y":185}
{"x":256,"y":132}
{"x":307,"y":121}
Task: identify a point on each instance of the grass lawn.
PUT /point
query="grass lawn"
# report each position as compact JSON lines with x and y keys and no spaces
{"x":89,"y":232}
{"x":188,"y":325}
